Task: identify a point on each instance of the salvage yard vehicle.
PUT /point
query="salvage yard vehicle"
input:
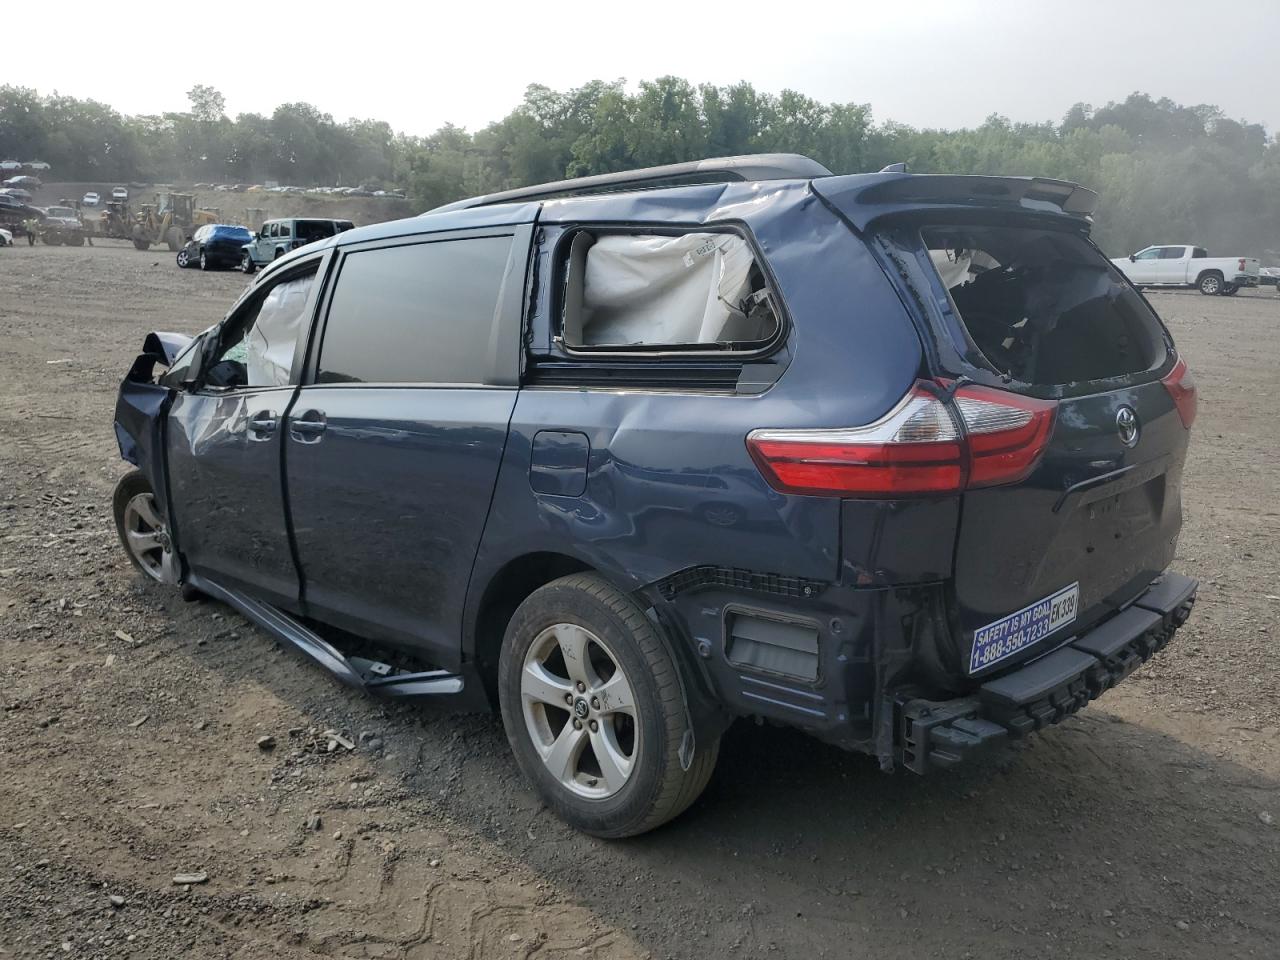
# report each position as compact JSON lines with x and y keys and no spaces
{"x":6,"y":238}
{"x":214,"y":245}
{"x":61,"y":226}
{"x":277,"y":237}
{"x":1185,"y":265}
{"x":892,"y":459}
{"x":169,"y":219}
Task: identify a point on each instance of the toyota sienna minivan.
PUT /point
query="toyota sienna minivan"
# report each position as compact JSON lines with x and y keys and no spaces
{"x":892,"y":459}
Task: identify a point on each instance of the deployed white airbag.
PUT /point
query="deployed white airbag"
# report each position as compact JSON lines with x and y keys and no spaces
{"x":269,"y":345}
{"x":664,"y":290}
{"x":960,"y":266}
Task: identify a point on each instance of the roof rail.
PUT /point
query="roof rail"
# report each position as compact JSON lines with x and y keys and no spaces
{"x":753,"y":166}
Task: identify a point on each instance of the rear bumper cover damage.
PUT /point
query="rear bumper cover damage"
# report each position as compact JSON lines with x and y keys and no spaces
{"x":932,"y":735}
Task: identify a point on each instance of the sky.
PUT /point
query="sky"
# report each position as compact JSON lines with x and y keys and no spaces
{"x":418,"y":66}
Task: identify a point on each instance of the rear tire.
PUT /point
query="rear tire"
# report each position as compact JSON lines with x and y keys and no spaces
{"x":141,"y":244}
{"x":1229,"y":290}
{"x":1210,"y":284}
{"x":636,"y":790}
{"x":204,"y":261}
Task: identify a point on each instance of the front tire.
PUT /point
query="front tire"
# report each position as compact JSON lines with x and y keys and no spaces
{"x":1210,"y":284}
{"x":142,"y":531}
{"x":184,"y":259}
{"x":594,"y":710}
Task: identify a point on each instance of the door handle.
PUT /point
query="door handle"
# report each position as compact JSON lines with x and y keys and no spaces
{"x":262,"y":424}
{"x":308,"y":427}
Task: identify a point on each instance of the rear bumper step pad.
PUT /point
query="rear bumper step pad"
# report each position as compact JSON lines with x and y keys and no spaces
{"x":939,"y":734}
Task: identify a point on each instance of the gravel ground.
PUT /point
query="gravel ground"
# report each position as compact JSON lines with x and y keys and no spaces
{"x":1148,"y":826}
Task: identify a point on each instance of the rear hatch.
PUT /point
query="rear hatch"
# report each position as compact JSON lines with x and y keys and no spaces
{"x":1030,"y":307}
{"x":1022,"y":317}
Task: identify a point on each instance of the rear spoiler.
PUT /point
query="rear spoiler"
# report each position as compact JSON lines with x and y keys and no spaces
{"x":866,"y":197}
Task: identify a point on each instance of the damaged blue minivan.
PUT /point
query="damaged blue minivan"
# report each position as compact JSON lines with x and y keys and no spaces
{"x":893,"y":459}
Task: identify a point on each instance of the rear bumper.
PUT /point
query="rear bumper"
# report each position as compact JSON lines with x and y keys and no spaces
{"x":931,"y":735}
{"x":1244,"y":280}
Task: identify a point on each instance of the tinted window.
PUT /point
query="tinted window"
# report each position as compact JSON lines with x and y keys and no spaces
{"x":1199,"y":252}
{"x":1171,"y":253}
{"x":284,"y":230}
{"x":414,"y":314}
{"x":310,"y":230}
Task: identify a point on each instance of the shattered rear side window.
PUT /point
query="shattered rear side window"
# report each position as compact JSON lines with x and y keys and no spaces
{"x":648,"y":291}
{"x":1043,"y":306}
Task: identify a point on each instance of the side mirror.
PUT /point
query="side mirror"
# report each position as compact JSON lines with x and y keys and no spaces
{"x":1133,"y":258}
{"x":188,"y":239}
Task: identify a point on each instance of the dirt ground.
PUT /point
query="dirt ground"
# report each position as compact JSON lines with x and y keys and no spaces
{"x":1147,"y":827}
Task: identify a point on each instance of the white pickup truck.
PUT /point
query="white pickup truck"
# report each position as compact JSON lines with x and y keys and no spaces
{"x":1185,"y":265}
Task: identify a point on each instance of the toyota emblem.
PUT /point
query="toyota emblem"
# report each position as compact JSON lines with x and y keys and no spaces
{"x":1127,"y":426}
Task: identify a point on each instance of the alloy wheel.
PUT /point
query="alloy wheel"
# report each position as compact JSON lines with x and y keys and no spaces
{"x":147,"y":538}
{"x":580,"y":711}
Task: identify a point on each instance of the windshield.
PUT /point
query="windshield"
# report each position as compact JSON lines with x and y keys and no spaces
{"x":61,"y":212}
{"x":1042,"y":305}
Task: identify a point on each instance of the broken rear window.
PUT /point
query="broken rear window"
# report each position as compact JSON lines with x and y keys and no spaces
{"x":1044,"y":306}
{"x":646,"y":291}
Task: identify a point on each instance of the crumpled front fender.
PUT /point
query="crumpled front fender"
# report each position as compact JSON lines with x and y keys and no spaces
{"x":140,"y":411}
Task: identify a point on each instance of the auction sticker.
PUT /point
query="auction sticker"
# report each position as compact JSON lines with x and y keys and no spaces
{"x":1008,"y":635}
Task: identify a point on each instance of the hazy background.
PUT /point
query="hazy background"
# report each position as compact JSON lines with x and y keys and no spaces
{"x":1168,"y":110}
{"x":419,"y":66}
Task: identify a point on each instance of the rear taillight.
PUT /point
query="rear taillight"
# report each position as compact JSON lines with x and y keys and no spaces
{"x":915,"y":449}
{"x":1182,"y":388}
{"x":1241,"y":267}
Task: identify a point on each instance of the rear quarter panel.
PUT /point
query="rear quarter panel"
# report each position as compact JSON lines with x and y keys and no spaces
{"x":668,"y":480}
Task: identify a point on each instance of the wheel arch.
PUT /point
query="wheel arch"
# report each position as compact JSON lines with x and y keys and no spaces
{"x":1212,"y":271}
{"x":503,"y":592}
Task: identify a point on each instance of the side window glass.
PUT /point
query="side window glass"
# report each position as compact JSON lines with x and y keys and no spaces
{"x":1152,"y":254}
{"x":1171,"y":253}
{"x":284,"y":230}
{"x":422,"y":313}
{"x":643,"y":290}
{"x":256,"y":347}
{"x":1199,"y":253}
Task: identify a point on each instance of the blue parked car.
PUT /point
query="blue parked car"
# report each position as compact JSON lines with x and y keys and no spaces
{"x":893,"y":459}
{"x":214,"y":245}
